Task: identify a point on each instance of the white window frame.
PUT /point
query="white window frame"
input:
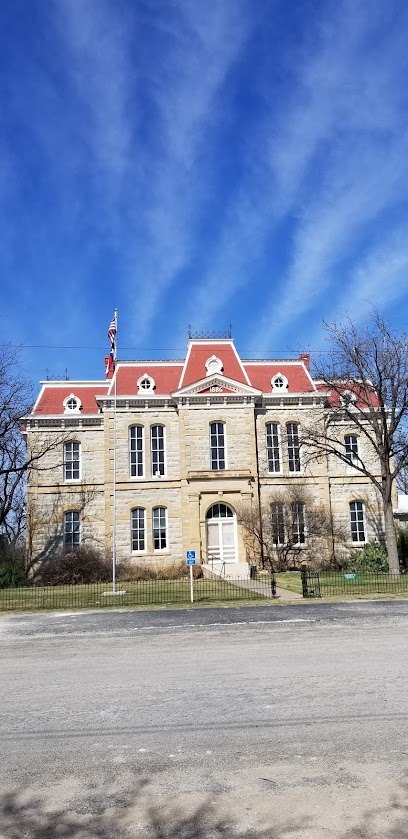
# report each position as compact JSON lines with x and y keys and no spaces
{"x":154,"y":472}
{"x":273,"y":448}
{"x":72,"y":461}
{"x":68,"y":408}
{"x":357,"y":517}
{"x":71,"y":531}
{"x":145,"y":378}
{"x":213,"y":365}
{"x":291,"y":446}
{"x":131,"y":451}
{"x":135,"y":531}
{"x":279,"y":383}
{"x":298,"y":513}
{"x":160,"y":528}
{"x":217,"y":448}
{"x":352,"y":451}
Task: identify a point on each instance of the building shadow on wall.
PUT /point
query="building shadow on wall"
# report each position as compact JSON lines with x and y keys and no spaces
{"x":113,"y":816}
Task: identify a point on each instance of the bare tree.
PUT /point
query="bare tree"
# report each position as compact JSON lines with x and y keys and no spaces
{"x":17,"y":461}
{"x":288,"y":527}
{"x":366,"y":376}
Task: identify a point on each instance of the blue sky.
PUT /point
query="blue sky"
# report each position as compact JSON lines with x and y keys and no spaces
{"x":203,"y":163}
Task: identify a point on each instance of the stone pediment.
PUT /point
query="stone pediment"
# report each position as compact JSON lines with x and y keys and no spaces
{"x":217,"y":384}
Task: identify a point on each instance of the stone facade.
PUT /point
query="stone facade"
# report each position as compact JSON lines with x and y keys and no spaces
{"x":241,"y":398}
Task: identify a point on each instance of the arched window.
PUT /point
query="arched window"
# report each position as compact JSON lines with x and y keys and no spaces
{"x":273,"y":446}
{"x":72,"y":404}
{"x":138,"y":529}
{"x":146,"y":384}
{"x":72,"y":529}
{"x":221,"y":533}
{"x":220,"y":511}
{"x":136,"y":451}
{"x":357,"y":521}
{"x":278,"y":523}
{"x":292,"y":431}
{"x":159,"y":521}
{"x":157,"y":444}
{"x":279,"y":383}
{"x":351,"y":448}
{"x":298,"y":524}
{"x":217,"y":445}
{"x":213,"y":365}
{"x":72,"y":462}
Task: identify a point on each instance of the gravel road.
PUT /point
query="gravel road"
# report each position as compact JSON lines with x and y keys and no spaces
{"x":254,"y":722}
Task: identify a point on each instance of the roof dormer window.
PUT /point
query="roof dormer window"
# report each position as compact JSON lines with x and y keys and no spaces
{"x":279,"y":383}
{"x":146,"y":384}
{"x":213,"y":365}
{"x":348,"y":398}
{"x":72,"y":404}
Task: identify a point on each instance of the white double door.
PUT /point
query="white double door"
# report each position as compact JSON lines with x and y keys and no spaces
{"x":222,"y":540}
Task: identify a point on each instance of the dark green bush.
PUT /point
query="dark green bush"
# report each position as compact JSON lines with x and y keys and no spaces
{"x":373,"y":557}
{"x":402,"y":541}
{"x":12,"y":573}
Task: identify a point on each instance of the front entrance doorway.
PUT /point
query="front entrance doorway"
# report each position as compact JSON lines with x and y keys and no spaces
{"x":221,"y":530}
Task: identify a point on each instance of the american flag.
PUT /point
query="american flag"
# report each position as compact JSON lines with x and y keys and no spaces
{"x":112,"y":330}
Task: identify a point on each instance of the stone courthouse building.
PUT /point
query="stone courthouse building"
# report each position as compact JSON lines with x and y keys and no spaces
{"x":190,"y":442}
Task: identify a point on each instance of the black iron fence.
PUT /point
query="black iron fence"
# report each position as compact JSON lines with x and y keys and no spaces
{"x":335,"y":583}
{"x":206,"y":590}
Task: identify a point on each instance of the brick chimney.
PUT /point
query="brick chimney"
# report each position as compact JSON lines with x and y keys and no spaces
{"x":305,"y":357}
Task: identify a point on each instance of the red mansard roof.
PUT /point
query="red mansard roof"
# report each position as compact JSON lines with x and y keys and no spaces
{"x":260,"y":375}
{"x":200,"y":351}
{"x":334,"y":396}
{"x":171,"y":376}
{"x":166,"y":376}
{"x":51,"y":398}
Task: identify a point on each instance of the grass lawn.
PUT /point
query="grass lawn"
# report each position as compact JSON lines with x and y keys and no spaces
{"x":336,"y":583}
{"x":289,"y":580}
{"x":142,"y":593}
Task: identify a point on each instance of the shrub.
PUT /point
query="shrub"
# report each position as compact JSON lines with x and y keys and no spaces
{"x":128,"y":570}
{"x":82,"y":565}
{"x":402,"y":540}
{"x":12,"y":564}
{"x":13,"y":573}
{"x":373,"y":557}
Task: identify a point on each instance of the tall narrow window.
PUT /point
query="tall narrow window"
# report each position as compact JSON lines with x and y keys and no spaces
{"x":71,"y":461}
{"x":278,"y":524}
{"x":351,"y":448}
{"x":217,"y":445}
{"x":292,"y":430}
{"x":138,"y":529}
{"x":157,"y":450}
{"x":357,"y":521}
{"x":136,"y":453}
{"x":298,"y":524}
{"x":72,"y":529}
{"x":159,"y":528}
{"x":273,"y":447}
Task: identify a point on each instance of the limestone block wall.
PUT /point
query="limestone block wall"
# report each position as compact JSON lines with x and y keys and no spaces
{"x":304,"y":416}
{"x":147,"y":497}
{"x":45,"y":518}
{"x":357,"y":489}
{"x":239,"y":431}
{"x":167,"y":417}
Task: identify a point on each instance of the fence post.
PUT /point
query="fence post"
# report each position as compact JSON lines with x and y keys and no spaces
{"x":303,"y":576}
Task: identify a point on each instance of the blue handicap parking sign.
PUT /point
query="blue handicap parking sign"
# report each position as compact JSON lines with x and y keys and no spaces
{"x":191,"y":557}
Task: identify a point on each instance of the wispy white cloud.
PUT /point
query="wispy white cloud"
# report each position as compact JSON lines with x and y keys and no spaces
{"x":185,"y":86}
{"x":329,"y":157}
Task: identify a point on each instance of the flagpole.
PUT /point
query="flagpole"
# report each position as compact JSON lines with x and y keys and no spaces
{"x":114,"y":463}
